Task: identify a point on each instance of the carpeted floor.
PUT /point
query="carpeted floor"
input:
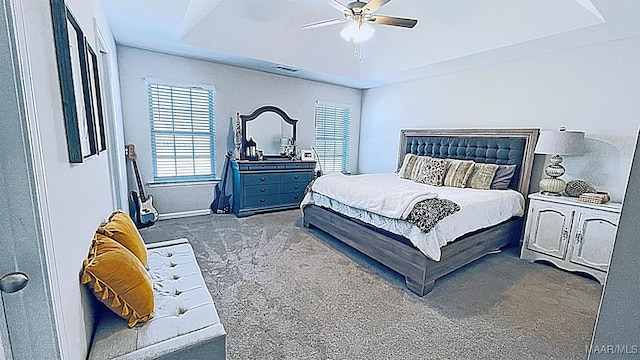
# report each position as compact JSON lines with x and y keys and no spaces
{"x":286,"y":292}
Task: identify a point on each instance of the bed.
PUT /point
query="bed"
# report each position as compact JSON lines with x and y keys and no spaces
{"x":493,"y":146}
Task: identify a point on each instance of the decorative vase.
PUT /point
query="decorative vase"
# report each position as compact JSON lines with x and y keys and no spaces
{"x":576,"y":188}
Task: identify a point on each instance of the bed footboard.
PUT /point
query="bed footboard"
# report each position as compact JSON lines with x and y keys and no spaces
{"x":419,"y":271}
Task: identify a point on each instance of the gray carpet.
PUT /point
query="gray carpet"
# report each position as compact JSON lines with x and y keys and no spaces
{"x":287,"y":292}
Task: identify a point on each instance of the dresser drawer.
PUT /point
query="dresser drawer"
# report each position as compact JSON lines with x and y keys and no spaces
{"x":293,"y":187}
{"x":291,"y":198}
{"x":259,"y":166}
{"x":300,"y":176}
{"x":261,"y":201}
{"x":298,"y":165}
{"x":255,"y":179}
{"x":264,"y":189}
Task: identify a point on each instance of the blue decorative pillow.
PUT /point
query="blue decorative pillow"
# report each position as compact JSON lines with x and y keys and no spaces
{"x":503,"y":176}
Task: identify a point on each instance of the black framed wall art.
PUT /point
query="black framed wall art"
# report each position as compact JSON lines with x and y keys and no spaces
{"x":79,"y":85}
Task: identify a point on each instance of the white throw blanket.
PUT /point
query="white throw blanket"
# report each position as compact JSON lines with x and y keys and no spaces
{"x":364,"y":192}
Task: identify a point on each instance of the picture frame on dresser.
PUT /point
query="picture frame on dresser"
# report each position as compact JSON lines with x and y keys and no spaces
{"x":306,"y":155}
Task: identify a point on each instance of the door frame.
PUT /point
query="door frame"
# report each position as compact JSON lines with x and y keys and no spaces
{"x":117,"y":165}
{"x":32,"y":314}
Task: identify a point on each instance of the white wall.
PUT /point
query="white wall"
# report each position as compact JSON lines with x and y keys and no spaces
{"x":78,"y":197}
{"x":594,"y":88}
{"x":237,"y":90}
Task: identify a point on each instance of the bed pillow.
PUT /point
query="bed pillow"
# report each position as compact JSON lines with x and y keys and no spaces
{"x":503,"y":176}
{"x":408,"y":163}
{"x":482,"y":176}
{"x":458,"y":173}
{"x":118,"y":280}
{"x":411,"y":165}
{"x":432,"y":171}
{"x":121,"y":228}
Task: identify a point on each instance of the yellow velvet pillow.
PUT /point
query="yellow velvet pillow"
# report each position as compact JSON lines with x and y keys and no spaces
{"x":119,"y":280}
{"x":121,"y":228}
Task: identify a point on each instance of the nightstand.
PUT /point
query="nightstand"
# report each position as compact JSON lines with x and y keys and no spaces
{"x":573,"y":235}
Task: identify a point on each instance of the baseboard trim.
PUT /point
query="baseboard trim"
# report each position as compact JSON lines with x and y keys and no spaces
{"x":183,"y":214}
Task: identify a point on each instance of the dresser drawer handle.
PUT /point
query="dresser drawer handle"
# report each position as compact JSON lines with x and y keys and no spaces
{"x":263,"y":189}
{"x":296,"y":197}
{"x":296,"y":187}
{"x":263,"y":179}
{"x":296,"y":177}
{"x":263,"y":201}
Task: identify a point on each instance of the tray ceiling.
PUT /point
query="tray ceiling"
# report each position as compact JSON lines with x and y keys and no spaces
{"x":450,"y":35}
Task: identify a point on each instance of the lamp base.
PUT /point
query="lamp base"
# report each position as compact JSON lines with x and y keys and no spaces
{"x":547,"y":193}
{"x":552,"y":186}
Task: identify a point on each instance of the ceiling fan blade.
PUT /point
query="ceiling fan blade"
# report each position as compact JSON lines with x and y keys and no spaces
{"x":374,"y":5}
{"x":336,"y":4}
{"x":393,"y":21}
{"x":324,"y":23}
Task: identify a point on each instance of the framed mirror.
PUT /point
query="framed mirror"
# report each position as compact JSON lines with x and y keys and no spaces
{"x":272,"y":129}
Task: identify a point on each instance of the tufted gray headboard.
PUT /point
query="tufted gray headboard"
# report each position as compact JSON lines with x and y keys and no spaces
{"x":496,"y":146}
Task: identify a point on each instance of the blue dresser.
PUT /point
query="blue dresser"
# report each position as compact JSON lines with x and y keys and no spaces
{"x":265,"y":185}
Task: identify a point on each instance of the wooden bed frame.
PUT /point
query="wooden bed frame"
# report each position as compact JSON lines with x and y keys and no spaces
{"x":397,"y":253}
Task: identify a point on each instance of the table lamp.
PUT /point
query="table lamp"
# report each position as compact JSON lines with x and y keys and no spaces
{"x":556,"y":143}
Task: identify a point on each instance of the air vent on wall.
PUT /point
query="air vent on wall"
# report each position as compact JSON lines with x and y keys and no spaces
{"x":287,"y":69}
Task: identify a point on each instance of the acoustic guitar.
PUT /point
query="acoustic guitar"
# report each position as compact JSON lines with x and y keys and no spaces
{"x":143,"y":214}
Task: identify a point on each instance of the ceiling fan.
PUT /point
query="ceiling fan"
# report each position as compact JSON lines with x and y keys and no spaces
{"x":360,"y":13}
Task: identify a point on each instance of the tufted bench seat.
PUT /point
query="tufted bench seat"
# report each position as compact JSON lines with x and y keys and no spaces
{"x":185,"y":325}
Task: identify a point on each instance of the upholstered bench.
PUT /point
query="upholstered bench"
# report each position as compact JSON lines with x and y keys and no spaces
{"x":185,"y":323}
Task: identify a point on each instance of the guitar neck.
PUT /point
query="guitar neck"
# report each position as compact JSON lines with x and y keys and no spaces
{"x":224,"y":172}
{"x":143,"y":197}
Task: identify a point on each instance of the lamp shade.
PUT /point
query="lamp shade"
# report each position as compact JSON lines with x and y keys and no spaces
{"x":560,"y":142}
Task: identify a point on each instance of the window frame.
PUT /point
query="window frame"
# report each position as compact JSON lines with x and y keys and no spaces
{"x":153,"y":132}
{"x":346,"y":135}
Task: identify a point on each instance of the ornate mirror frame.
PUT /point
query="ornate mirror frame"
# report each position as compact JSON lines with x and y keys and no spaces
{"x":261,"y":110}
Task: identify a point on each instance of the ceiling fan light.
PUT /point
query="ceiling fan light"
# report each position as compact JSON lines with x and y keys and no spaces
{"x":357,"y":32}
{"x":365,"y":33}
{"x":349,"y":31}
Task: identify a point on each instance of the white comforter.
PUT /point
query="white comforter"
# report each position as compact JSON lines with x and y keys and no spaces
{"x":478,"y":209}
{"x":370,"y":192}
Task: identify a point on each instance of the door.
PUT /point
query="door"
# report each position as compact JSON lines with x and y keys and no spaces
{"x":550,"y":227}
{"x":27,"y":324}
{"x":594,"y":236}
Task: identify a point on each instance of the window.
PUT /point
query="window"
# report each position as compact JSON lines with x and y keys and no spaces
{"x":332,"y":136}
{"x":182,"y":132}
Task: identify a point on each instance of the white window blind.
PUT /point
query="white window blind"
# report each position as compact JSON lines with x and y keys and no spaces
{"x":332,"y":136}
{"x":182,"y":132}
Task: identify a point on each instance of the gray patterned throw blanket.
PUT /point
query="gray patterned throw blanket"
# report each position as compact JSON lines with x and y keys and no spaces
{"x":427,"y":213}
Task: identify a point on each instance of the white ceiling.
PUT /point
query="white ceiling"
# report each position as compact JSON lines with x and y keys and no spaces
{"x":450,"y":35}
